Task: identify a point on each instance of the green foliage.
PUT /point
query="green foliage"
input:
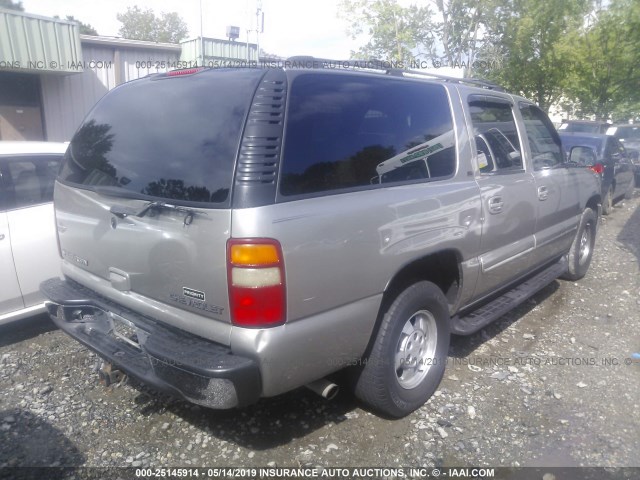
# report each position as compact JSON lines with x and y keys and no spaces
{"x":395,"y":33}
{"x":529,"y":47}
{"x":583,"y":55}
{"x":605,"y":76}
{"x":140,"y":24}
{"x":11,"y":5}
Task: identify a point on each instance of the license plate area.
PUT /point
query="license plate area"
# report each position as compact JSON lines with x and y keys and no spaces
{"x":125,"y":331}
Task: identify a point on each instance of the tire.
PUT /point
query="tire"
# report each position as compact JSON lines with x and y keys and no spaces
{"x":415,"y":326}
{"x":581,"y":250}
{"x":607,"y":204}
{"x":629,"y":193}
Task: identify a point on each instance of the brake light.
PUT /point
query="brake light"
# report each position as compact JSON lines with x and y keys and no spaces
{"x":597,"y":168}
{"x":186,"y":71}
{"x":255,"y":271}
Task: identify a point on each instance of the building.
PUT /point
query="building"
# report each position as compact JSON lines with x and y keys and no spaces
{"x":51,"y":76}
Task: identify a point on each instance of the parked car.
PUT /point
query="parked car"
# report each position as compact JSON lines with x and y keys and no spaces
{"x":583,"y":126}
{"x":629,"y":136}
{"x":234,"y":234}
{"x":609,"y":159}
{"x":28,"y":251}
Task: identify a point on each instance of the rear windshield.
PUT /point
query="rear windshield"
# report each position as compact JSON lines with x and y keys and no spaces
{"x":165,"y":137}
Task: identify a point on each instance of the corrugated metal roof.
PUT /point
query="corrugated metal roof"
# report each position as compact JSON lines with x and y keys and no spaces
{"x":31,"y":43}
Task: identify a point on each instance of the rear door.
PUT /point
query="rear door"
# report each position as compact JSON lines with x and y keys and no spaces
{"x":10,"y":295}
{"x":143,"y":198}
{"x":30,"y":180}
{"x":507,"y":193}
{"x":557,"y":194}
{"x":617,"y":159}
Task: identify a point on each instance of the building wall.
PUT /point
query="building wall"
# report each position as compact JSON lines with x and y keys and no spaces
{"x":67,"y":99}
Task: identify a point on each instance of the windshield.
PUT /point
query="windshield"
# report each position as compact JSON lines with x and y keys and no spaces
{"x":165,"y":137}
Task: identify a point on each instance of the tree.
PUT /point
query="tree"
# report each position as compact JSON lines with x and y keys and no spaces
{"x":11,"y":5}
{"x":396,"y":33}
{"x":85,"y":28}
{"x":528,"y":44}
{"x":140,"y":24}
{"x":463,"y":29}
{"x":606,"y":64}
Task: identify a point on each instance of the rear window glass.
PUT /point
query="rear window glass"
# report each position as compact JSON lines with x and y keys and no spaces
{"x":354,"y":131}
{"x":166,"y":137}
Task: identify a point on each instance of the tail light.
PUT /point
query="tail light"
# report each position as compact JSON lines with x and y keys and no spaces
{"x":255,"y":271}
{"x":186,"y":71}
{"x":597,"y":168}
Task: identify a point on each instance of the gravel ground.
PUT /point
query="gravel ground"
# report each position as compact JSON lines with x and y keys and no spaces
{"x":547,"y":385}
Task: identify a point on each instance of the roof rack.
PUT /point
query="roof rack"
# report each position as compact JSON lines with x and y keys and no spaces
{"x":387,"y":68}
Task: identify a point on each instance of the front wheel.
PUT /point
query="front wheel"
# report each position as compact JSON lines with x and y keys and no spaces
{"x":408,"y":357}
{"x":582,"y":247}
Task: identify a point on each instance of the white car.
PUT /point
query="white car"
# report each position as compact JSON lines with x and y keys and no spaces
{"x":28,"y":246}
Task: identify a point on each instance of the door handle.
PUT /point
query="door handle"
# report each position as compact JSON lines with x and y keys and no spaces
{"x":543,"y":193}
{"x":1,"y":236}
{"x":495,"y":205}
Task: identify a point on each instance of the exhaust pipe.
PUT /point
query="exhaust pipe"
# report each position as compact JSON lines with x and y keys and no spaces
{"x":324,"y":388}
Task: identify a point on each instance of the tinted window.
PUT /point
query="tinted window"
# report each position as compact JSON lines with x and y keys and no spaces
{"x":28,"y":180}
{"x":614,"y":149}
{"x":353,"y":131}
{"x":165,"y":137}
{"x":628,"y":133}
{"x":496,"y":137}
{"x":546,"y":148}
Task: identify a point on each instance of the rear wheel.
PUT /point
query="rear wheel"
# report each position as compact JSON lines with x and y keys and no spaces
{"x":582,"y":247}
{"x":607,"y":204}
{"x":409,"y":354}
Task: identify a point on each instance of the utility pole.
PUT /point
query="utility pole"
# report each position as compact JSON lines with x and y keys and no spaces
{"x":201,"y":37}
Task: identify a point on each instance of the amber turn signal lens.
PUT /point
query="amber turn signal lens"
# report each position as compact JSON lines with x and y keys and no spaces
{"x":254,"y":254}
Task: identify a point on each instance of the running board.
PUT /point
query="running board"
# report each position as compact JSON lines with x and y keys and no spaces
{"x":476,"y":319}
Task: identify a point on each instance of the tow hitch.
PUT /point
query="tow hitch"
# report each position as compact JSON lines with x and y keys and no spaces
{"x":110,"y":375}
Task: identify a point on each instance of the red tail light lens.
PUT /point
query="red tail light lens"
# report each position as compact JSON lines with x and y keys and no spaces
{"x":186,"y":71}
{"x":255,"y":271}
{"x":597,"y":168}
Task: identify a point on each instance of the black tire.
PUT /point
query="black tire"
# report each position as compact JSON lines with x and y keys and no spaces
{"x":581,"y":251}
{"x":628,"y":195}
{"x":607,"y":203}
{"x":421,"y":307}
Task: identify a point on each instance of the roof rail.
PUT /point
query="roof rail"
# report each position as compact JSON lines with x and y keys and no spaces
{"x":315,"y":62}
{"x":387,"y":68}
{"x":477,"y":82}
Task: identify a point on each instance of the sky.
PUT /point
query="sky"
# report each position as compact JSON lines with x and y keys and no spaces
{"x":291,"y":27}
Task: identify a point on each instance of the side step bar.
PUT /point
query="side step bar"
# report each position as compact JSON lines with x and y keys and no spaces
{"x":479,"y":318}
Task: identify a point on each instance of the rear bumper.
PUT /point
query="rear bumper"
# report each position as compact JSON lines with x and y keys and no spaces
{"x":167,"y":359}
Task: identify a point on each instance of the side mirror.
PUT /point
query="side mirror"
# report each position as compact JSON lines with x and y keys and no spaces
{"x":582,"y":156}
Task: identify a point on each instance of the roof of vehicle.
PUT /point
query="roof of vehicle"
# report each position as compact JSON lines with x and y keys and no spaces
{"x":594,"y":122}
{"x":27,"y":147}
{"x":374,"y":66}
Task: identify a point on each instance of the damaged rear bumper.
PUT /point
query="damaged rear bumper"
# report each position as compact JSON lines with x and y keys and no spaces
{"x":167,"y":359}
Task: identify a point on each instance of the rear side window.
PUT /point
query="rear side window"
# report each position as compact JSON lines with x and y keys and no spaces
{"x":346,"y":132}
{"x":496,"y":136}
{"x":27,"y":180}
{"x":165,"y":137}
